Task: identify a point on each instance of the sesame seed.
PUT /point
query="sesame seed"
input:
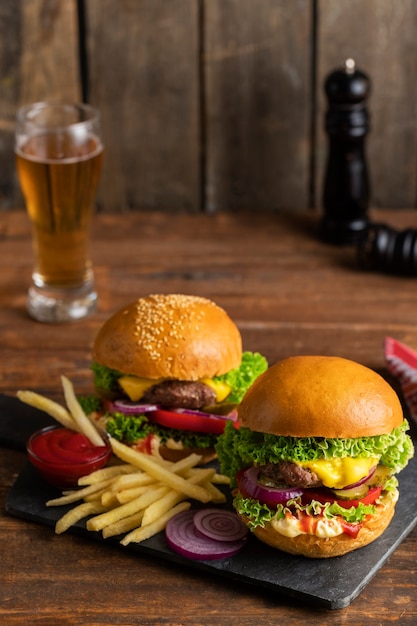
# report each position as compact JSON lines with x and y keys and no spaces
{"x":164,"y":320}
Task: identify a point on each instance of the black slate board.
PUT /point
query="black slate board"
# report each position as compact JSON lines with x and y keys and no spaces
{"x":332,"y":583}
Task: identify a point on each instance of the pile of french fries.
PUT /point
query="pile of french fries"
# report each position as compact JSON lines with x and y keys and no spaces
{"x":136,"y":494}
{"x":136,"y":498}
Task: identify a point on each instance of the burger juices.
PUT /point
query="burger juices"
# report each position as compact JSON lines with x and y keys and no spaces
{"x":169,"y":370}
{"x":313,"y":463}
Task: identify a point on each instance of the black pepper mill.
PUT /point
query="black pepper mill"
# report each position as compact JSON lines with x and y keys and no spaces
{"x":346,"y":185}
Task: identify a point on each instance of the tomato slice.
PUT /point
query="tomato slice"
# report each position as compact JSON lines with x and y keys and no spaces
{"x":186,"y":421}
{"x":324,"y":496}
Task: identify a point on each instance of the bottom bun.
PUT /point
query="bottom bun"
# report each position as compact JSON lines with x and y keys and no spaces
{"x":318,"y":548}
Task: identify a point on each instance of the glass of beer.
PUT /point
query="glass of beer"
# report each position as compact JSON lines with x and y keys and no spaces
{"x":59,"y":153}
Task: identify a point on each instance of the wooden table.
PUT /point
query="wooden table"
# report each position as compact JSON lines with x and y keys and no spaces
{"x":289,"y":294}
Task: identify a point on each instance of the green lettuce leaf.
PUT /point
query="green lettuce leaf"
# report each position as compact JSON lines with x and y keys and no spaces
{"x":238,"y":448}
{"x":105,"y":378}
{"x":260,"y":514}
{"x":132,"y":428}
{"x":240,"y":379}
{"x":90,"y":404}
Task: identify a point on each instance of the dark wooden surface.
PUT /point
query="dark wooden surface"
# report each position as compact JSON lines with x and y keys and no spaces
{"x":212,"y":105}
{"x":289,"y":294}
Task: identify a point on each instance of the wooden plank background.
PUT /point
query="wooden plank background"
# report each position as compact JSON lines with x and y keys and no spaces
{"x":214,"y":105}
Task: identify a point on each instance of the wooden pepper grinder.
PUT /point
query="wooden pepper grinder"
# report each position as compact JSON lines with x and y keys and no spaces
{"x":346,"y":185}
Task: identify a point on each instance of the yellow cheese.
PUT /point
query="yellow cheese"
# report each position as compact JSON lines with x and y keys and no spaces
{"x":221,"y":388}
{"x":135,"y":387}
{"x":338,"y":473}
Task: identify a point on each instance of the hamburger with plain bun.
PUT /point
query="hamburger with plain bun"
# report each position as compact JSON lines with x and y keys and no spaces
{"x":313,"y":463}
{"x":170,"y":371}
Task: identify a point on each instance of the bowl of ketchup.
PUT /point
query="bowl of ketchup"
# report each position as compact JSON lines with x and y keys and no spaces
{"x":62,"y":455}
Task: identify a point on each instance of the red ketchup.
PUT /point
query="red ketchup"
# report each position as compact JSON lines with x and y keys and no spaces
{"x":62,"y":455}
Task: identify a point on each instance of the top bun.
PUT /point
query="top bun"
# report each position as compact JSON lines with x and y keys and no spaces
{"x":320,"y":396}
{"x":170,"y":336}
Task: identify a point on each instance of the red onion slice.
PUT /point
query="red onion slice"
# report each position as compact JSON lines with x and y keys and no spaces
{"x":230,"y":416}
{"x":247,"y":481}
{"x":131,"y":408}
{"x":183,"y":537}
{"x":220,"y":525}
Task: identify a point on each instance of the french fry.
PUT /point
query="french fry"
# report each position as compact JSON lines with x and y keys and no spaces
{"x":55,"y":410}
{"x":124,"y":510}
{"x":158,"y":508}
{"x":147,"y":464}
{"x":200,"y":475}
{"x":97,"y":496}
{"x":126,"y":495}
{"x":108,"y":499}
{"x":78,"y":494}
{"x":145,"y":532}
{"x":185,"y":464}
{"x":123,"y":526}
{"x":217,"y":496}
{"x":106,"y":472}
{"x":135,"y":479}
{"x":76,"y":514}
{"x":84,"y":424}
{"x":158,"y":460}
{"x":220,"y":479}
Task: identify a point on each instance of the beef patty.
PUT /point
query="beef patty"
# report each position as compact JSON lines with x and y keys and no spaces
{"x":289,"y":473}
{"x":180,"y":394}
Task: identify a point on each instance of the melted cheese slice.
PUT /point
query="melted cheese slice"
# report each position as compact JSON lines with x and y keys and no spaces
{"x":220,"y":388}
{"x":338,"y":473}
{"x":135,"y":387}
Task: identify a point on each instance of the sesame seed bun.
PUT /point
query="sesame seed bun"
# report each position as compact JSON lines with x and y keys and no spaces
{"x":169,"y":336}
{"x":320,"y":396}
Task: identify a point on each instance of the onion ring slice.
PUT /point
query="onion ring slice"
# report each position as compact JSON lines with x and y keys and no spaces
{"x":220,"y":525}
{"x":132,"y":408}
{"x":183,"y":538}
{"x":247,"y":482}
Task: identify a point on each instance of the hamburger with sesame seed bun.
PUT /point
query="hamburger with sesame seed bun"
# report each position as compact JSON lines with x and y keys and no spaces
{"x":169,"y":371}
{"x":314,"y":462}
